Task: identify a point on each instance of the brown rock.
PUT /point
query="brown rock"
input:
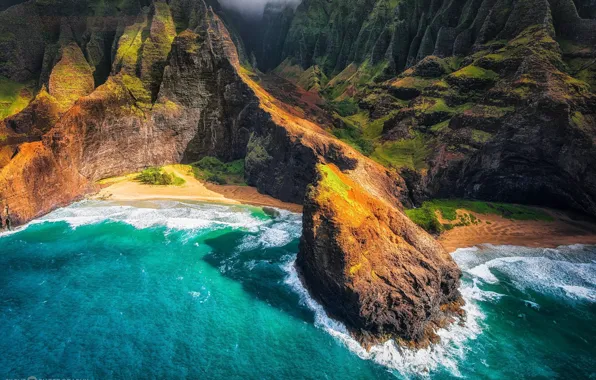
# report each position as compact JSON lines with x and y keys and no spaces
{"x":371,"y":267}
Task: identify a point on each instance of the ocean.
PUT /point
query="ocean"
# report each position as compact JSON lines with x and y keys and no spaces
{"x":165,"y":289}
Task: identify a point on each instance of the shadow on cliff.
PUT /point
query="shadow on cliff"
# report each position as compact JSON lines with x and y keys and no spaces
{"x":258,"y":270}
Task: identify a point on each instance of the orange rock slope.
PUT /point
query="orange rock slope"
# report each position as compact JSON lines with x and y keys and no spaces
{"x":373,"y":268}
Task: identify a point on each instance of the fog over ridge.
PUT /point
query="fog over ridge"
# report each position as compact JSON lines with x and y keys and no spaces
{"x":253,"y":8}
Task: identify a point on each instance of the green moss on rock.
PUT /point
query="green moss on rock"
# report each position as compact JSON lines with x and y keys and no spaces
{"x":408,"y":153}
{"x":71,"y":78}
{"x":14,"y":97}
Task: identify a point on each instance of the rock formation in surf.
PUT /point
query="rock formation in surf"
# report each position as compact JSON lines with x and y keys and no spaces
{"x":373,"y":268}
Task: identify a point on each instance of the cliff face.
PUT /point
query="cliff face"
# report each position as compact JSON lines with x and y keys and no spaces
{"x":373,"y":268}
{"x":176,"y":92}
{"x":485,"y":99}
{"x":333,"y":34}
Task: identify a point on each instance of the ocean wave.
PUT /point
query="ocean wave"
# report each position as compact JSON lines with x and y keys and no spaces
{"x":175,"y":215}
{"x":269,"y":236}
{"x":445,"y":355}
{"x":474,"y":292}
{"x":277,"y":232}
{"x":579,"y":292}
{"x":567,"y":271}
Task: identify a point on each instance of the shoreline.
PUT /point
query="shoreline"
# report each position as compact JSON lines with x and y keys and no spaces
{"x":566,"y":228}
{"x":126,"y":188}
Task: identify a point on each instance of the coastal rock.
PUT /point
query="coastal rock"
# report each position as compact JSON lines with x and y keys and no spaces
{"x":371,"y":267}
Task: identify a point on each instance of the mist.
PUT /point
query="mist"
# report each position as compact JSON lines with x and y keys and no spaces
{"x":253,"y":8}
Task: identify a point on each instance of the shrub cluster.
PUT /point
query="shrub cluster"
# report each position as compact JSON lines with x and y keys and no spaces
{"x":426,"y":215}
{"x":213,"y":170}
{"x":157,"y":176}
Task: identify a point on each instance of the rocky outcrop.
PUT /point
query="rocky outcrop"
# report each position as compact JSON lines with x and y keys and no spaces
{"x":36,"y":181}
{"x":371,"y":267}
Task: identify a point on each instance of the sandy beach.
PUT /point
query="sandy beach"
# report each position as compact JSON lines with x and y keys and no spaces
{"x":565,"y":229}
{"x":126,"y":188}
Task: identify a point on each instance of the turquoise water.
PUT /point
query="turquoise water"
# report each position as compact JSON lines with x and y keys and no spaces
{"x":175,"y":290}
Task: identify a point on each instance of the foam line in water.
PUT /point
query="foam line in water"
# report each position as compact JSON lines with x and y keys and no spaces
{"x":176,"y":215}
{"x":447,"y":354}
{"x":567,"y":271}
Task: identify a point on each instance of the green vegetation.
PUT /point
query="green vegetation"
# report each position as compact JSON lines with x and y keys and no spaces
{"x":157,"y":176}
{"x":313,"y":79}
{"x":14,"y":97}
{"x":410,"y":153}
{"x":129,"y":46}
{"x":440,"y":126}
{"x":332,"y":184}
{"x":413,"y":82}
{"x":345,"y":107}
{"x":427,"y":216}
{"x":475,"y":72}
{"x":213,"y":170}
{"x":479,"y":136}
{"x":136,"y":89}
{"x":579,"y":119}
{"x":353,"y":136}
{"x":156,"y":48}
{"x":71,"y":77}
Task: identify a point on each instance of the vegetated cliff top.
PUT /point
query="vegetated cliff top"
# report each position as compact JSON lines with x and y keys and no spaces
{"x":483,"y":99}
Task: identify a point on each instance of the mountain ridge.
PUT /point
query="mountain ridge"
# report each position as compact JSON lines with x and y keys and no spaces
{"x":207,"y":104}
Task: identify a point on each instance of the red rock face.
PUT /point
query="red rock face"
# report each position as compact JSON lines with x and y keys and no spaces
{"x":37,"y":181}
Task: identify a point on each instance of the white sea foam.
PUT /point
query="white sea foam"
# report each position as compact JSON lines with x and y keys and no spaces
{"x":176,"y":215}
{"x":483,"y":272}
{"x":544,"y":275}
{"x":579,"y":292}
{"x":533,"y":305}
{"x":447,"y":354}
{"x":275,"y":233}
{"x":202,"y":297}
{"x":475,"y":293}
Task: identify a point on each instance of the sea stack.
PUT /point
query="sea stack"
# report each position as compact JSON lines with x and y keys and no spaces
{"x":371,"y":267}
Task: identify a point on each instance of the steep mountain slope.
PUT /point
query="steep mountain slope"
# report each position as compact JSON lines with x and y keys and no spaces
{"x":488,"y":99}
{"x":176,"y":92}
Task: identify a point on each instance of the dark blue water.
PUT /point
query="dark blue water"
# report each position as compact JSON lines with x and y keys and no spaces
{"x":174,"y":290}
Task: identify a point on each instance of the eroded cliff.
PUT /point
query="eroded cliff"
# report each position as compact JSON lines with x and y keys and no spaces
{"x":177,"y":103}
{"x":482,"y":99}
{"x":373,"y":268}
